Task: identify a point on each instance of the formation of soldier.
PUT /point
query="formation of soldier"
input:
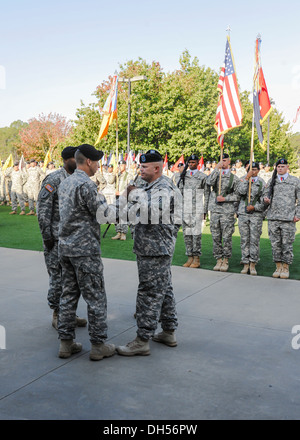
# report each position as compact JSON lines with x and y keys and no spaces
{"x":220,"y":193}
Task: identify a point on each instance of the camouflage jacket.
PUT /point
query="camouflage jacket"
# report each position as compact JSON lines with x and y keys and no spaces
{"x":257,"y":189}
{"x":285,"y":203}
{"x":47,"y":204}
{"x":79,"y":230}
{"x":18,"y":179}
{"x":155,"y":232}
{"x":191,"y":188}
{"x":232,"y":197}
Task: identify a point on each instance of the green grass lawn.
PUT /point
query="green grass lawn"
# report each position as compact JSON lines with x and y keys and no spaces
{"x":22,"y":232}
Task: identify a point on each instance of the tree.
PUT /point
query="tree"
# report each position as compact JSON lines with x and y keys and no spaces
{"x":42,"y":134}
{"x":9,"y":137}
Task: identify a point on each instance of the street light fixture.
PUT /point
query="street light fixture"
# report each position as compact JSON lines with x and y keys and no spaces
{"x":129,"y":81}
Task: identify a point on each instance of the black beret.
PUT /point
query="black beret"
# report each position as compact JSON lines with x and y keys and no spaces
{"x":208,"y":161}
{"x":255,"y":165}
{"x":194,"y":157}
{"x":32,"y":160}
{"x":225,"y":156}
{"x":90,"y":152}
{"x":68,"y":152}
{"x":247,"y":163}
{"x":238,"y":161}
{"x":281,"y":162}
{"x":181,"y":164}
{"x":122,"y":162}
{"x":16,"y":163}
{"x":214,"y":161}
{"x":151,"y":156}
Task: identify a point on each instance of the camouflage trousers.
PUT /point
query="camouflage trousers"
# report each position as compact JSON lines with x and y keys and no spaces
{"x":15,"y":198}
{"x":32,"y":197}
{"x":222,"y":228}
{"x":83,"y":276}
{"x":250,"y":227}
{"x":54,"y":272}
{"x":155,"y":296}
{"x":282,"y":237}
{"x":192,"y":245}
{"x":122,"y":228}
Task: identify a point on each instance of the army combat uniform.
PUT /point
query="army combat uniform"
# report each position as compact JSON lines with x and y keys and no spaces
{"x":222,"y":214}
{"x":79,"y":252}
{"x":285,"y":205}
{"x":33,"y":186}
{"x":195,"y":204}
{"x":17,"y":181}
{"x":48,"y":218}
{"x":250,"y":223}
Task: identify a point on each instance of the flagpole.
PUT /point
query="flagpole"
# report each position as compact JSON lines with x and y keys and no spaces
{"x":117,"y":153}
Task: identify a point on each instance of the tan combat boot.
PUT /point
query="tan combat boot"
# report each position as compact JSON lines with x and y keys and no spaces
{"x":225,"y":265}
{"x":30,"y":213}
{"x":277,"y":272}
{"x":138,"y":346}
{"x":196,"y":262}
{"x":285,"y":273}
{"x":80,"y":322}
{"x":68,"y":347}
{"x":252,"y":269}
{"x":219,"y":264}
{"x":245,"y":269}
{"x":101,"y":350}
{"x":166,"y":337}
{"x":189,"y":262}
{"x":123,"y":236}
{"x":22,"y":213}
{"x":12,"y":212}
{"x":116,"y":237}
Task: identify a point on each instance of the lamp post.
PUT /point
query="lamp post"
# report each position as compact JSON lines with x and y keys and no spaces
{"x":129,"y":81}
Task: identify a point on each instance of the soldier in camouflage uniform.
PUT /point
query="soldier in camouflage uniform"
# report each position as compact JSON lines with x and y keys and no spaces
{"x":79,"y":252}
{"x":2,"y":187}
{"x":251,"y":216}
{"x":195,"y":194}
{"x":282,"y":195}
{"x":154,"y":243}
{"x":124,"y":177}
{"x":48,"y":219}
{"x":222,"y":207}
{"x":239,"y":169}
{"x":18,"y":180}
{"x":33,"y":185}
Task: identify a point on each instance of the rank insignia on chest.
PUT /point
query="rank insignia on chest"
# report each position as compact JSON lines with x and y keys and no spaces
{"x":49,"y":188}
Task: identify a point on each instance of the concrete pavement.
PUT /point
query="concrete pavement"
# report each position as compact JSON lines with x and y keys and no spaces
{"x":234,"y":358}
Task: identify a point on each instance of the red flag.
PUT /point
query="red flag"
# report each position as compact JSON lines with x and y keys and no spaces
{"x":229,"y":112}
{"x":200,"y":166}
{"x":174,"y":168}
{"x":165,"y":164}
{"x":297,"y":114}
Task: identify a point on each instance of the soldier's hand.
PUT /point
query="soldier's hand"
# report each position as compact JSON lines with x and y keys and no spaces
{"x":250,"y":208}
{"x":220,"y":199}
{"x":296,"y":219}
{"x":49,"y":244}
{"x":267,"y":200}
{"x":130,"y":188}
{"x":249,"y":174}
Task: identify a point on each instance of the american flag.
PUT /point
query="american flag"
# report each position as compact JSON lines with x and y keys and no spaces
{"x":229,"y":113}
{"x":297,"y":114}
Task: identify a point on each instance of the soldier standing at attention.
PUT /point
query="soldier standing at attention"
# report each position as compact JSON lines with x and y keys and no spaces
{"x":154,"y":244}
{"x":282,"y":195}
{"x":18,"y":180}
{"x":48,"y":219}
{"x":251,"y":216}
{"x":124,"y":177}
{"x":240,"y":170}
{"x":79,"y":252}
{"x":195,"y":209}
{"x":33,"y":184}
{"x":222,"y":207}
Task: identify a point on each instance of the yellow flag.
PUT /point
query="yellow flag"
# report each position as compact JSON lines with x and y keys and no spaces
{"x":8,"y":163}
{"x":47,"y":160}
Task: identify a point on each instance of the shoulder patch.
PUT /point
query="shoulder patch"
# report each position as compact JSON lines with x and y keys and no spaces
{"x":49,"y":188}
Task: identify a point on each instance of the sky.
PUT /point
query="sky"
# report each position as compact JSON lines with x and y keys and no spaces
{"x":54,"y":54}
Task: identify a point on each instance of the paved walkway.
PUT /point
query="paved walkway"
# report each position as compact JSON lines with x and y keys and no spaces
{"x":234,"y":359}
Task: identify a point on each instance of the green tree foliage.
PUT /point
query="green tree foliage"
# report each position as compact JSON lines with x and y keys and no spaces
{"x":175,"y":114}
{"x":9,"y":138}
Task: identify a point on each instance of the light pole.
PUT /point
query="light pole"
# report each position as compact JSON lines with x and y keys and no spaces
{"x":129,"y":81}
